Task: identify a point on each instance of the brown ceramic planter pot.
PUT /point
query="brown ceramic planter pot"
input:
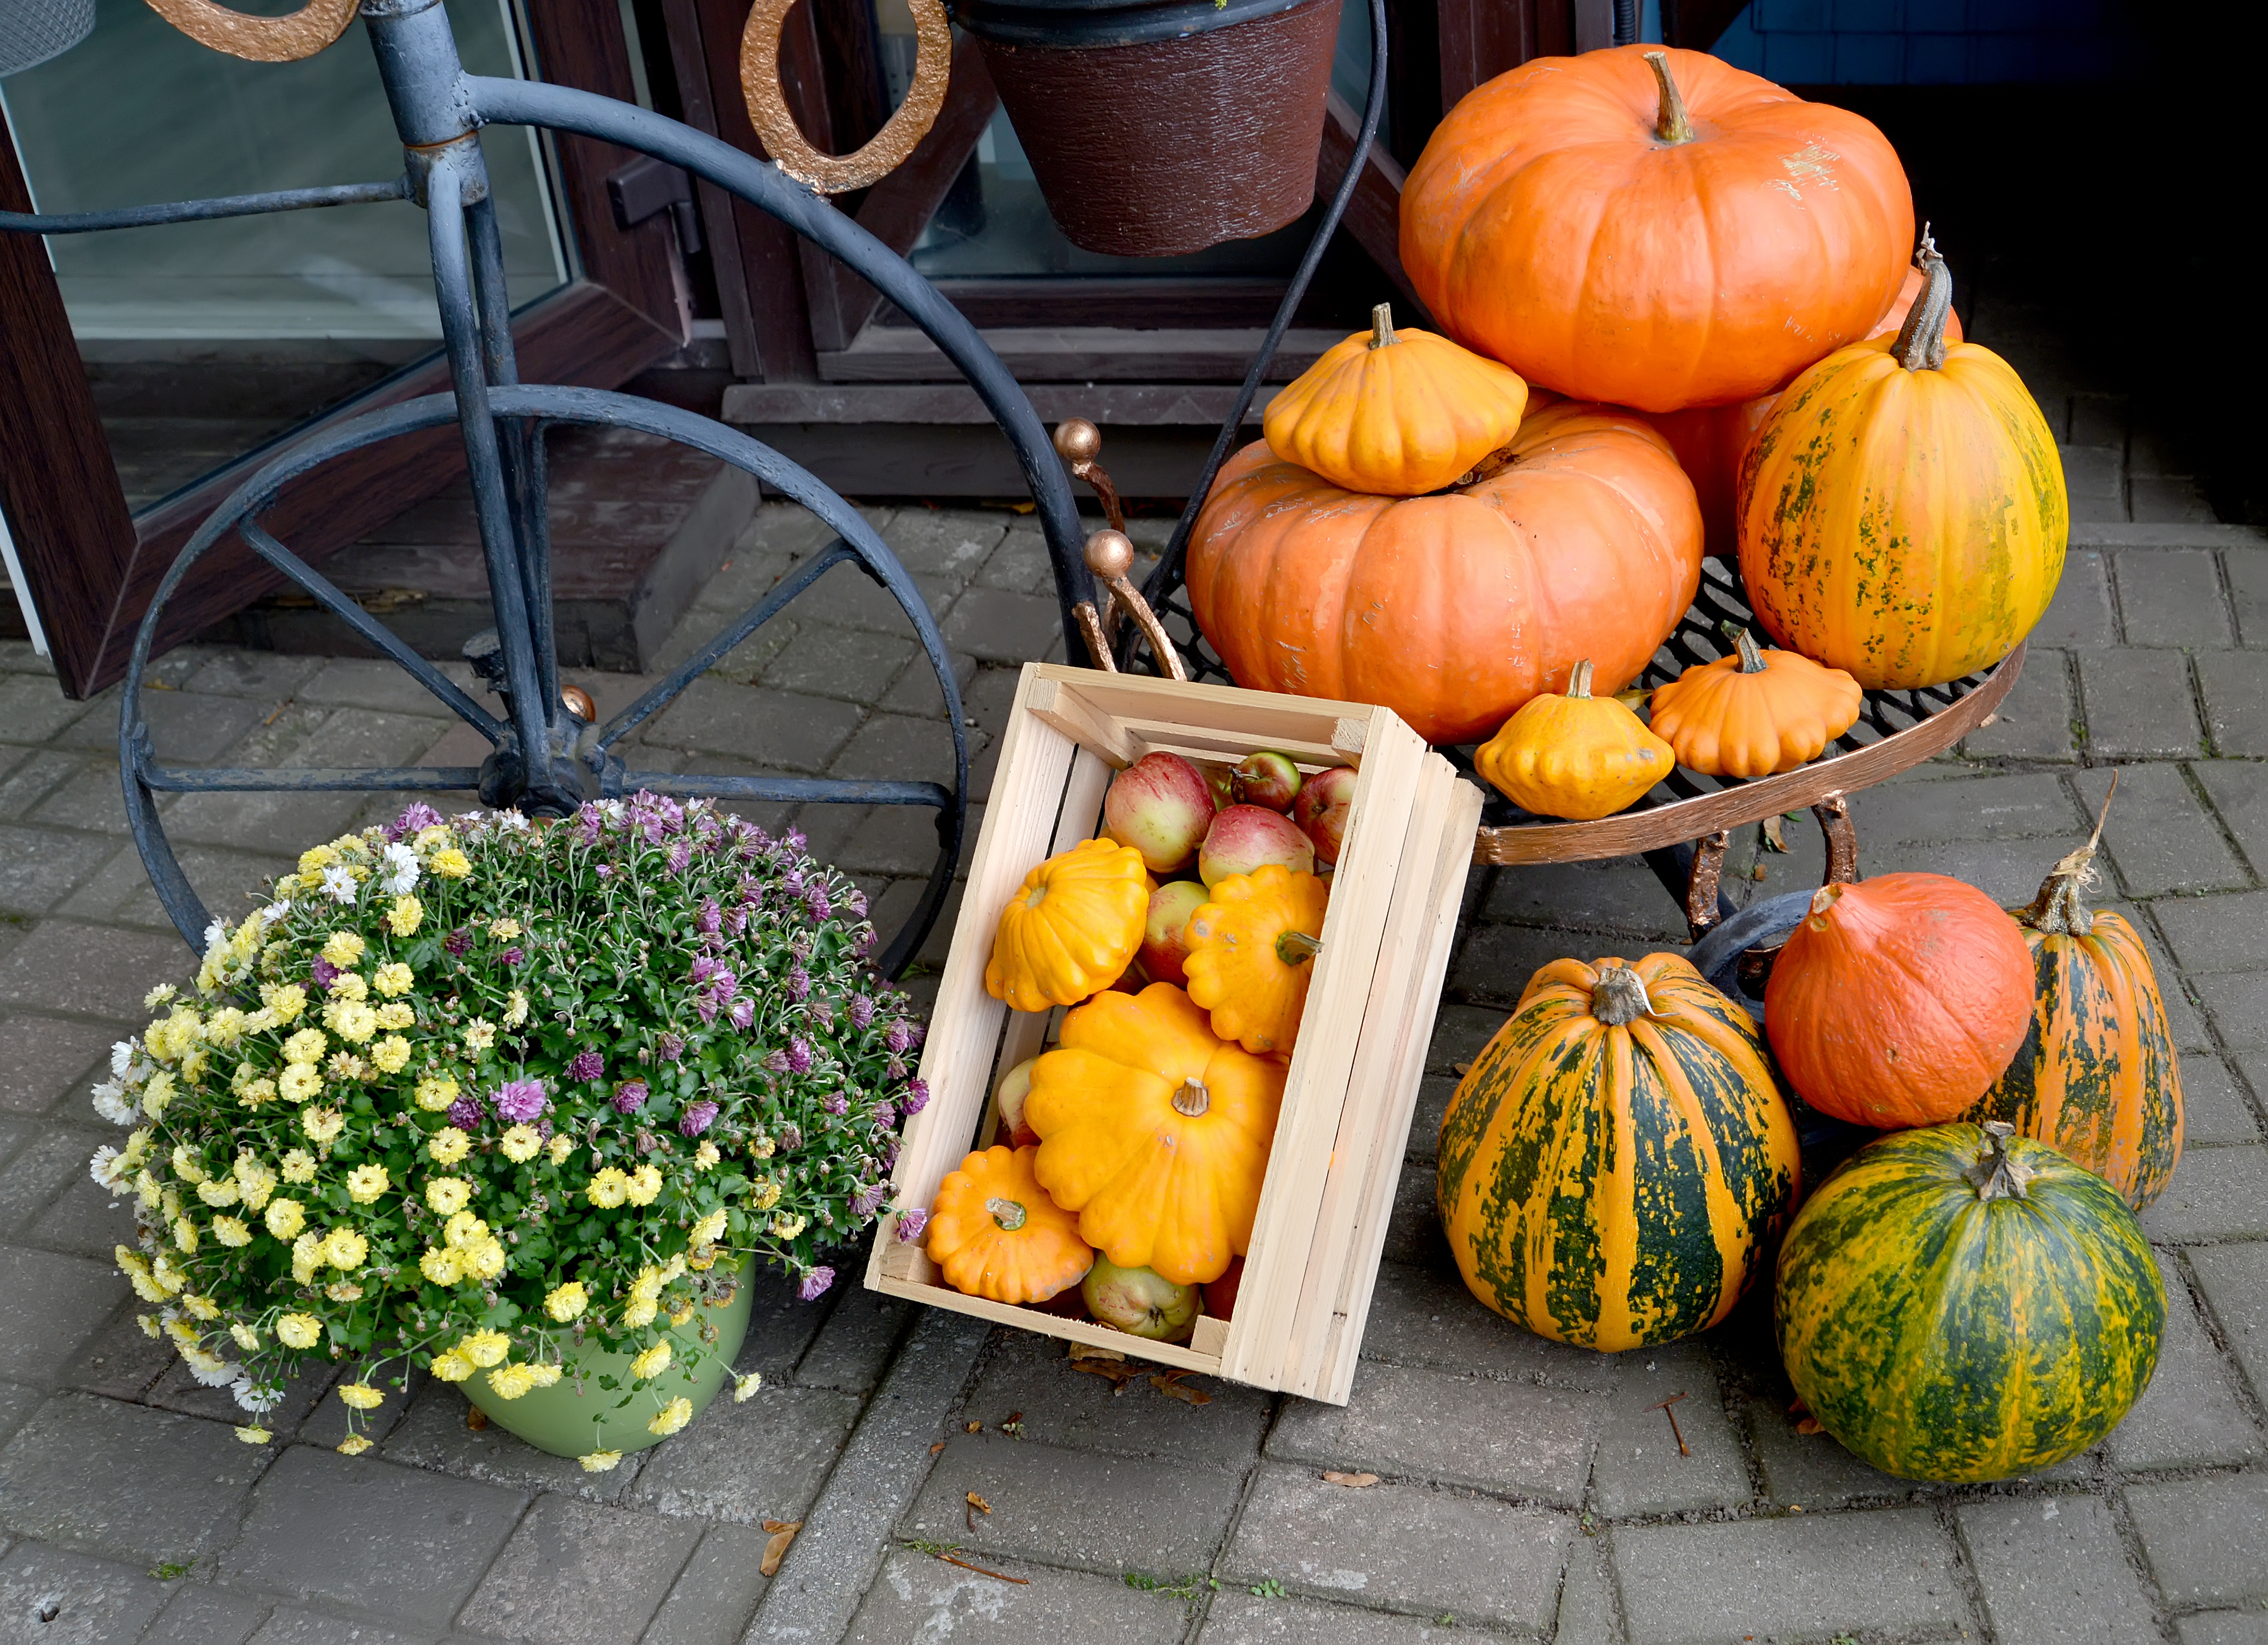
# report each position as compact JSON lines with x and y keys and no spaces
{"x":1159,"y":129}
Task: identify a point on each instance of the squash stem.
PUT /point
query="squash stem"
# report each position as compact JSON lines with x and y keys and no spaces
{"x":1381,"y":327}
{"x":1672,"y":124}
{"x":1191,"y":1100}
{"x":1998,"y":1173}
{"x":1921,"y":346}
{"x":1007,"y":1213}
{"x":1579,"y":680}
{"x":1619,"y":996}
{"x":1296,"y":947}
{"x":1752,"y":660}
{"x":2057,"y":911}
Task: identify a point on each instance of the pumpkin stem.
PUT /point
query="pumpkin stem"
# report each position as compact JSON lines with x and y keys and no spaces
{"x":1672,"y":124}
{"x":1920,"y":346}
{"x":1296,"y":947}
{"x":1619,"y":996}
{"x":1752,"y":660}
{"x":1007,"y":1213}
{"x":1824,"y":899}
{"x":1381,"y":327}
{"x":1998,"y":1173}
{"x":1579,"y":680}
{"x":2056,"y":910}
{"x":1191,"y":1100}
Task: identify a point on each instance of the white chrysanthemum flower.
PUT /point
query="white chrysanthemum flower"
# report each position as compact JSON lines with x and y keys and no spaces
{"x":210,"y":1369}
{"x":255,"y":1399}
{"x":112,"y":1102}
{"x":402,"y":869}
{"x":122,"y":1058}
{"x":109,"y":1168}
{"x":215,"y":939}
{"x":338,"y":884}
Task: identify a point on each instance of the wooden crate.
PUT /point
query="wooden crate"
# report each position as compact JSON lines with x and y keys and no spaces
{"x":1353,"y":1080}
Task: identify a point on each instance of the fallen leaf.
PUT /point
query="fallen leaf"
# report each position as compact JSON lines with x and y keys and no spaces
{"x":1776,"y":832}
{"x":1020,"y":1581}
{"x":972,"y":1427}
{"x":1104,"y":1362}
{"x":937,"y":1448}
{"x":1796,"y":1407}
{"x":476,"y":1419}
{"x":776,"y":1526}
{"x":1461,"y":1069}
{"x":979,"y":1503}
{"x":775,"y":1550}
{"x":1170,"y":1384}
{"x":1352,"y":1481}
{"x":1809,"y":1426}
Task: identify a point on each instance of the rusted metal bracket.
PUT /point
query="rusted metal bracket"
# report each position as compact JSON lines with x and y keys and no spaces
{"x":1841,"y":839}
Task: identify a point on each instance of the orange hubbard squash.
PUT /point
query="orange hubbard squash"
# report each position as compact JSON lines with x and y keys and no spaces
{"x":1653,"y":227}
{"x":995,"y":1234}
{"x":1452,"y":610}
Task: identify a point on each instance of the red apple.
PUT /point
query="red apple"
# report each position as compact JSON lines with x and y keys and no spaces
{"x":1222,"y":780}
{"x":1133,"y":979}
{"x":1139,"y":1301}
{"x":1220,"y":1294}
{"x":1245,"y":837}
{"x":1267,"y":778}
{"x":1015,"y":1087}
{"x":1321,"y":809}
{"x":1162,"y":949}
{"x":1161,"y":806}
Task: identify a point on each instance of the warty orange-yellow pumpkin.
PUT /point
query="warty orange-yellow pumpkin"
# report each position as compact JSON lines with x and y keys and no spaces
{"x":1252,"y":954}
{"x":995,"y":1234}
{"x":1071,"y":928}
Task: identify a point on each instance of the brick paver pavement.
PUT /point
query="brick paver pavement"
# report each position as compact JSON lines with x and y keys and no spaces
{"x":1526,"y":1491}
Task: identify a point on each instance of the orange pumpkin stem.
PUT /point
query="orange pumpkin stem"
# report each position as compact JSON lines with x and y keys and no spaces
{"x":1191,"y":1100}
{"x":1921,"y":346}
{"x":1007,"y":1213}
{"x":1672,"y":124}
{"x":2056,"y":910}
{"x":1381,"y":327}
{"x":1752,"y":660}
{"x":1997,"y":1173}
{"x":1579,"y":679}
{"x":1619,"y":996}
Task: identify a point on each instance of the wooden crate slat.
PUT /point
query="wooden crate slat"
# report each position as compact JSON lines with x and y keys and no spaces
{"x":1100,"y":734}
{"x":1363,"y":894}
{"x":1358,"y":1275}
{"x":1262,"y":716}
{"x":1365,"y":1134}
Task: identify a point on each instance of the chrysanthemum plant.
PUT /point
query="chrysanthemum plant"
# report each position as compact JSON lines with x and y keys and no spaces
{"x":470,"y":1093}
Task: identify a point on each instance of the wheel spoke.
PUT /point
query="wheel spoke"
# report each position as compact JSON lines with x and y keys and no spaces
{"x":233,"y":779}
{"x":792,"y":790}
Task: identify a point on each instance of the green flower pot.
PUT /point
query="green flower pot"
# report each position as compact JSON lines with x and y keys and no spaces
{"x":567,"y":1423}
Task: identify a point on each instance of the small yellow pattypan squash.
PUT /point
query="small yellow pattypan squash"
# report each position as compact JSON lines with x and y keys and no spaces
{"x":1578,"y":756}
{"x":1252,"y":951}
{"x":1071,"y":928}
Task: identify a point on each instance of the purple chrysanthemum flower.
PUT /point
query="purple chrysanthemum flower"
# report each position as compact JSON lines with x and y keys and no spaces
{"x":863,"y":940}
{"x":790,"y":1138}
{"x":815,"y":1284}
{"x":862,"y":1011}
{"x":604,"y":871}
{"x":798,"y":1056}
{"x":910,"y":1224}
{"x":857,"y":903}
{"x":458,"y":941}
{"x":835,"y":1102}
{"x":589,"y":824}
{"x":816,"y":902}
{"x":710,"y":918}
{"x":893,"y":1070}
{"x":792,"y":881}
{"x":630,"y":1096}
{"x":863,"y":1202}
{"x":798,"y":984}
{"x":522,"y":1101}
{"x":899,"y":1038}
{"x":743,"y":1013}
{"x":670,"y":1049}
{"x":795,"y":840}
{"x":884,"y":1115}
{"x":777,"y":1062}
{"x":917,"y":1097}
{"x":697,"y":1117}
{"x":466,"y":1114}
{"x":322,"y":972}
{"x":680,"y":854}
{"x":513,"y":957}
{"x":586,"y":1065}
{"x":416,"y":817}
{"x":889,"y":1152}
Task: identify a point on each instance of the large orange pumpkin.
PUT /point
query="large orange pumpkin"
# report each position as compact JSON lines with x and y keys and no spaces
{"x":1898,"y":1001}
{"x":1710,"y":440}
{"x":1655,"y":227}
{"x":1452,"y":610}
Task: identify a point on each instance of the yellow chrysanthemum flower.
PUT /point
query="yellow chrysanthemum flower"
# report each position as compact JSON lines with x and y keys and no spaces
{"x":366,"y":1183}
{"x":562,"y":1144}
{"x":299,"y":1166}
{"x":136,"y":1269}
{"x":226,"y":1028}
{"x":232,"y":1232}
{"x":285,"y":1218}
{"x":644,"y":1185}
{"x":246,"y":1337}
{"x":671,"y":1417}
{"x":167,"y":1272}
{"x":394,"y":979}
{"x":391,"y":1054}
{"x":342,"y":1291}
{"x":158,"y":996}
{"x":284,"y":1000}
{"x":653,"y":1362}
{"x":542,"y":1376}
{"x":452,"y":1366}
{"x":360,"y":1395}
{"x":257,"y":1091}
{"x":434,"y":1094}
{"x":221,"y":1190}
{"x":448,"y":1195}
{"x":353,"y":1021}
{"x":299,"y":1330}
{"x":479,"y":1034}
{"x":705,"y":1157}
{"x":300,"y":1082}
{"x":484,"y":1348}
{"x":744,"y":1388}
{"x":448,"y":1146}
{"x":520,"y":1144}
{"x":609,"y":1188}
{"x":343,"y":948}
{"x":486,"y":1260}
{"x":253,"y":1434}
{"x":789,"y":1227}
{"x":200,"y":1307}
{"x":510,"y":1381}
{"x":600,"y":1461}
{"x":307,"y":1045}
{"x":452,"y":864}
{"x":306,"y":1258}
{"x":564,"y":1303}
{"x":406,"y":914}
{"x":710,"y":1229}
{"x":323,"y":1125}
{"x":762,"y":1147}
{"x":353,"y":1445}
{"x":345,"y":1249}
{"x":185,"y":1235}
{"x":638,"y":1313}
{"x":349,"y":988}
{"x":441,"y":1264}
{"x":158,"y":1094}
{"x":255,"y":1182}
{"x":395,"y":1014}
{"x":515,"y":1008}
{"x":315,"y":858}
{"x":464,"y":1228}
{"x":504,"y":930}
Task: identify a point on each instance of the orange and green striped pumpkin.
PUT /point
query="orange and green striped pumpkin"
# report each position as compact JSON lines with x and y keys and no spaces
{"x":1962,"y":1303}
{"x":2096,"y":1075}
{"x":1902,"y":512}
{"x":1617,"y":1163}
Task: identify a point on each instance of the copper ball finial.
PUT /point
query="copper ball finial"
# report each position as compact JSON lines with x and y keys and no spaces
{"x":1109,"y":555}
{"x":576,"y":701}
{"x":1077,"y":440}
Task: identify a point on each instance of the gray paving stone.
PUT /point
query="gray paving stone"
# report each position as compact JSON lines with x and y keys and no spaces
{"x":1514,"y":1438}
{"x":2235,"y":1280}
{"x":2054,"y":1572}
{"x":918,"y":1600}
{"x":1800,"y":1577}
{"x":166,"y":1487}
{"x":84,"y":1220}
{"x":51,"y":1594}
{"x":16,"y":1403}
{"x":995,"y":626}
{"x":854,"y":1346}
{"x":291,"y":1625}
{"x":2035,"y":720}
{"x":853,"y":664}
{"x":899,"y":748}
{"x":916,"y":690}
{"x":2223,"y":1627}
{"x":713,"y":1595}
{"x":2247,"y":587}
{"x":368,"y":683}
{"x":1459,"y":1034}
{"x":1621,"y":897}
{"x":48,"y":1062}
{"x":747,"y":1462}
{"x":1413,"y":1227}
{"x":2189,"y":1416}
{"x":358,"y":1532}
{"x":344,"y":737}
{"x":50,"y":1306}
{"x":39,"y":867}
{"x":200,"y":1614}
{"x":2203,"y":1538}
{"x":2216,"y":1194}
{"x":2172,"y":597}
{"x":91,"y":970}
{"x":27,"y":776}
{"x":846,"y":598}
{"x":234,"y":672}
{"x":2080,"y":613}
{"x":1020,"y":564}
{"x":1237,"y":1618}
{"x":39,"y":1170}
{"x":2158,"y":834}
{"x":118,"y":1361}
{"x":2095,"y":471}
{"x":1811,"y":1471}
{"x":1588,"y":1614}
{"x":2138,"y":702}
{"x":574,"y":1572}
{"x":793,"y":732}
{"x":2167,"y":497}
{"x":2236,"y":684}
{"x":32,"y":708}
{"x":2238,"y":1004}
{"x":1061,"y":1406}
{"x":1434,"y":1092}
{"x":1639,"y":1469}
{"x":189,"y":730}
{"x":2018,"y":807}
{"x":2238,"y":792}
{"x":2215,"y":933}
{"x":1091,"y":1512}
{"x":1403,"y":1548}
{"x":431,"y":1434}
{"x":2213,"y":1108}
{"x":2008,"y":870}
{"x":1424,"y":1318}
{"x":950,"y":544}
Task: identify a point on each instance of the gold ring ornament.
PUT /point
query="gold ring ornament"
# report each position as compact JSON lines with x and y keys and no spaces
{"x":783,"y":139}
{"x":302,"y":33}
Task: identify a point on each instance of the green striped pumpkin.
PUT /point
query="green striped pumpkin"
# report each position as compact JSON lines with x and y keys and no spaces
{"x":1963,"y":1303}
{"x":1616,"y":1164}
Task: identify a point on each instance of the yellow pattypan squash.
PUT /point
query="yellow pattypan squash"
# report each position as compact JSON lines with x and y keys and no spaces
{"x":1156,"y":1131}
{"x":996,"y":1233}
{"x":1252,"y":950}
{"x":1755,"y":712}
{"x":1395,"y":413}
{"x":1578,"y":755}
{"x":1071,"y":928}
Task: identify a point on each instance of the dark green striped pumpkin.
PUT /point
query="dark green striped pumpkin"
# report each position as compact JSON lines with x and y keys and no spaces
{"x":1616,"y":1164}
{"x":1964,"y":1303}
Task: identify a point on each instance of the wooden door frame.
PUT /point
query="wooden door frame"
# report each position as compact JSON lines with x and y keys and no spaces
{"x":93,"y":566}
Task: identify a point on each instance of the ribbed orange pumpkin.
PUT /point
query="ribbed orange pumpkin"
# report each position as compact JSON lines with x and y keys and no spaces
{"x":1686,"y":236}
{"x":1898,"y":1001}
{"x":1902,"y":510}
{"x":1452,"y":610}
{"x":2097,"y":1076}
{"x":1710,"y":440}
